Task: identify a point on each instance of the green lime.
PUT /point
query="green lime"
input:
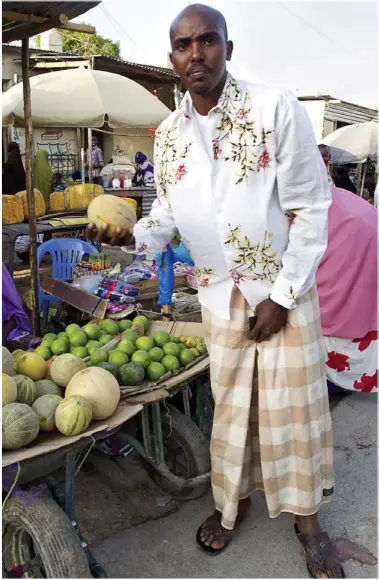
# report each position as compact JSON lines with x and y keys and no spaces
{"x":171,"y":348}
{"x":141,"y":357}
{"x":118,"y":358}
{"x":105,"y":339}
{"x":130,"y":335}
{"x":108,"y":367}
{"x":161,"y":337}
{"x":186,"y":357}
{"x":155,"y":371}
{"x":78,"y":338}
{"x":79,"y":351}
{"x":126,"y":346}
{"x":63,"y":336}
{"x":49,"y":338}
{"x":109,"y":326}
{"x":98,"y":356}
{"x":182,"y":346}
{"x":131,"y":374}
{"x":170,"y":362}
{"x":92,"y":345}
{"x":139,"y":328}
{"x":174,"y":339}
{"x":92,"y":331}
{"x":195,"y":352}
{"x":156,"y":354}
{"x":71,"y":328}
{"x":142,"y":320}
{"x":44,"y":351}
{"x":124,"y":325}
{"x":59,"y":347}
{"x":144,"y":343}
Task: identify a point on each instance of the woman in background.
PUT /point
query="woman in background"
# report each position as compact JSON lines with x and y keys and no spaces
{"x":42,"y":175}
{"x":13,"y":171}
{"x":144,"y":175}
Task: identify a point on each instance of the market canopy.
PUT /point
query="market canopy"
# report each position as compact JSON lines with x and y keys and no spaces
{"x":353,"y":143}
{"x":84,"y":98}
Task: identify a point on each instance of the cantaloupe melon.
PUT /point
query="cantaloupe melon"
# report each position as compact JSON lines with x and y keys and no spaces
{"x":8,"y":362}
{"x":31,"y":365}
{"x":113,"y":211}
{"x":8,"y":390}
{"x":48,"y":387}
{"x":45,"y":408}
{"x":73,"y":415}
{"x":48,"y":365}
{"x":20,"y":426}
{"x":64,"y":367}
{"x":26,"y":390}
{"x":100,"y":388}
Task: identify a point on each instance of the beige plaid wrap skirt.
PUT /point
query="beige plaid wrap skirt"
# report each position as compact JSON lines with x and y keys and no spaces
{"x":272,"y":426}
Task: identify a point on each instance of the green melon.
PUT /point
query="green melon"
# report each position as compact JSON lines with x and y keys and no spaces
{"x":8,"y":390}
{"x":20,"y":426}
{"x":47,"y":387}
{"x":73,"y":415}
{"x":45,"y":408}
{"x":131,"y":374}
{"x":26,"y":390}
{"x":8,"y":363}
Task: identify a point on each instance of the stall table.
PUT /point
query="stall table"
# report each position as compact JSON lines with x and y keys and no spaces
{"x":43,"y":227}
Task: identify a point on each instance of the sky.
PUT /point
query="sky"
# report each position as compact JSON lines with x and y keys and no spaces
{"x":310,"y":47}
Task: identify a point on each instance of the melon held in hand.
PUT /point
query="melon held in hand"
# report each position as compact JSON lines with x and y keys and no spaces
{"x":113,"y":211}
{"x":97,"y":386}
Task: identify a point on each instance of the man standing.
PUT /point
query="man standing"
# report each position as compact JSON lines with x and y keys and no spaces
{"x":325,"y":154}
{"x":240,"y":180}
{"x":97,"y":160}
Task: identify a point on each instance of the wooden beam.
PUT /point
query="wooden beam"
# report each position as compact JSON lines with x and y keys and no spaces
{"x":63,"y":22}
{"x":29,"y":185}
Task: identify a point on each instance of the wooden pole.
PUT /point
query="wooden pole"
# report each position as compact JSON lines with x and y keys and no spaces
{"x":29,"y":185}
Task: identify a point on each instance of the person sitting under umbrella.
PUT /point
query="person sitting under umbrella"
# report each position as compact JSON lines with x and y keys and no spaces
{"x":144,"y":175}
{"x":13,"y":171}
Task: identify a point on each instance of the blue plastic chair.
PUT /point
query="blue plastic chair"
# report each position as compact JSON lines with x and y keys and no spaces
{"x":65,"y":254}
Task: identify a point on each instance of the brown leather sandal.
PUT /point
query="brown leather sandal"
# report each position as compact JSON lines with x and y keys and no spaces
{"x":318,"y":548}
{"x":220,"y":533}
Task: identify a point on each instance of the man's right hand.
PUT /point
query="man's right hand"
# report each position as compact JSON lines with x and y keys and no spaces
{"x":120,"y":238}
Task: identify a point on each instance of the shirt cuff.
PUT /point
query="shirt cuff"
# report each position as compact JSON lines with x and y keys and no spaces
{"x":283,"y":294}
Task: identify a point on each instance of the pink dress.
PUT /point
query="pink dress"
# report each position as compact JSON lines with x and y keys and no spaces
{"x":347,"y":283}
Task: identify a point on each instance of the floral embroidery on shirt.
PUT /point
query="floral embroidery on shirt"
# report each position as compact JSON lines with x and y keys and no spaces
{"x":264,"y":160}
{"x":291,"y":217}
{"x":259,"y":260}
{"x":167,"y":151}
{"x":151,"y":223}
{"x":216,"y":148}
{"x":243,"y":137}
{"x":202,"y":276}
{"x":141,"y":247}
{"x":180,"y":172}
{"x":291,"y":294}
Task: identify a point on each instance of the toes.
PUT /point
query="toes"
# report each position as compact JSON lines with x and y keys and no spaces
{"x":217,"y":545}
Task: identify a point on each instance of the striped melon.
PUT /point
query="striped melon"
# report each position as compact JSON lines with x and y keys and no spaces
{"x":20,"y":426}
{"x":8,"y":390}
{"x":73,"y":415}
{"x":47,"y":387}
{"x":8,"y":363}
{"x":45,"y":408}
{"x":26,"y":390}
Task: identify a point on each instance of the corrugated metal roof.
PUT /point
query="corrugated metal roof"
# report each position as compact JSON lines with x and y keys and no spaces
{"x":158,"y":71}
{"x":14,"y":30}
{"x":348,"y":113}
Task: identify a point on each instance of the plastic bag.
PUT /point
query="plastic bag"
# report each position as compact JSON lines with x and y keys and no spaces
{"x":89,"y":284}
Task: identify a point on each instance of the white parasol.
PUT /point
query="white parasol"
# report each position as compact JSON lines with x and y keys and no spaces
{"x":84,"y":98}
{"x":353,"y":143}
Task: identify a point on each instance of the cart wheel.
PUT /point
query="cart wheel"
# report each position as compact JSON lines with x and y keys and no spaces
{"x":186,"y":453}
{"x":40,"y":542}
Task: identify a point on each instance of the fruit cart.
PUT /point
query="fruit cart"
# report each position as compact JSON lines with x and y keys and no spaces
{"x":41,"y":537}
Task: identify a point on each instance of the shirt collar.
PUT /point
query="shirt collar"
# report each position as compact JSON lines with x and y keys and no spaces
{"x":228,"y":103}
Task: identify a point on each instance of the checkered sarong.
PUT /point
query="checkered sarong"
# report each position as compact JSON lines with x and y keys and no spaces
{"x":272,"y":426}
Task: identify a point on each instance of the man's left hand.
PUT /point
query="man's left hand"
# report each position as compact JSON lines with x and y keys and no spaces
{"x":270,"y":319}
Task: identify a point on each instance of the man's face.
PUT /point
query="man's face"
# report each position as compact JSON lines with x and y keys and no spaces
{"x":94,"y":142}
{"x":325,"y":154}
{"x":200,"y":51}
